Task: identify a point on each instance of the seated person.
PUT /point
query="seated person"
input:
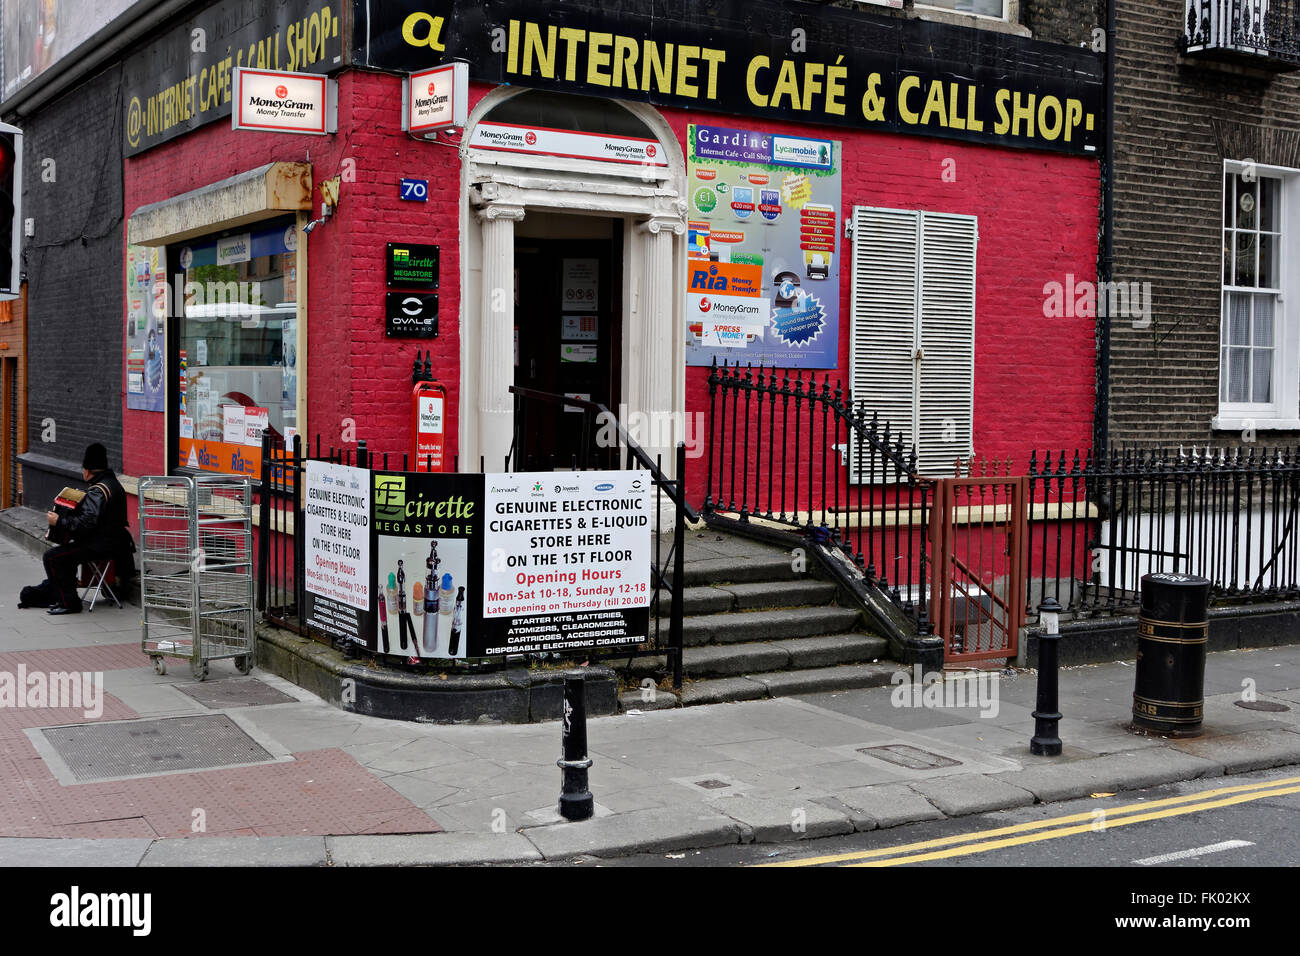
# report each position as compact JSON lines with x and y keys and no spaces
{"x":95,"y":530}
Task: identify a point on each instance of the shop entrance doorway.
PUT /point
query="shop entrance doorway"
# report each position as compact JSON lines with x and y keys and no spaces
{"x":568,"y":324}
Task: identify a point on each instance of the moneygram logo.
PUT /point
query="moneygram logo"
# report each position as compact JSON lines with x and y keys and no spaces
{"x":432,"y":88}
{"x":282,"y":91}
{"x":530,"y":138}
{"x":705,"y":304}
{"x":651,"y":151}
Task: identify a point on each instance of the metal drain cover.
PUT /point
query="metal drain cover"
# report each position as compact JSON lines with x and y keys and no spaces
{"x":711,"y":784}
{"x":145,"y":747}
{"x":235,"y":692}
{"x":1266,"y":705}
{"x":913,"y":758}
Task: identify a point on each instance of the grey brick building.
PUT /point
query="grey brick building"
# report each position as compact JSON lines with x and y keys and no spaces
{"x":1207,"y":188}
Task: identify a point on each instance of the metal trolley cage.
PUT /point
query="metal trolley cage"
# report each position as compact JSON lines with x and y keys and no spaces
{"x":196,"y":571}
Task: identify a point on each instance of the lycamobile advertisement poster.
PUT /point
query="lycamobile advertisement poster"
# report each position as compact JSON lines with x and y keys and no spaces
{"x":763,"y":261}
{"x":146,"y":312}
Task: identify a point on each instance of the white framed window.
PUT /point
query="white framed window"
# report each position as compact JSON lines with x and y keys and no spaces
{"x":912,"y":353}
{"x":994,"y":9}
{"x":1259,"y":324}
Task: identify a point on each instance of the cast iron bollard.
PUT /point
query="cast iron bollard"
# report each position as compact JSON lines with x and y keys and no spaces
{"x":1046,"y":741}
{"x":576,"y":802}
{"x":1173,"y":629}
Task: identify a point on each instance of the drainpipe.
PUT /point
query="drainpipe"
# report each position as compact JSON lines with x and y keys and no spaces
{"x":1105,"y":265}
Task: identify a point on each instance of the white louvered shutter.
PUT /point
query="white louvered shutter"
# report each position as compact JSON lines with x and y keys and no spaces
{"x":945,"y":393}
{"x":912,"y":357}
{"x":882,"y":358}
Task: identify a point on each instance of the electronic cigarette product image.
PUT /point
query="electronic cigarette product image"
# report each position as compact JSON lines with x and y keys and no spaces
{"x":431,"y":600}
{"x":417,"y":598}
{"x":445,"y":601}
{"x":392,"y":608}
{"x":383,"y":625}
{"x":404,"y":617}
{"x":457,"y":621}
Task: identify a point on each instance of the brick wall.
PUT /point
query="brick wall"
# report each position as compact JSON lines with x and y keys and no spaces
{"x":72,"y":188}
{"x":1174,"y":126}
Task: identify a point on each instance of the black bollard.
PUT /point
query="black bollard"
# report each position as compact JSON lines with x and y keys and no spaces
{"x":576,"y":801}
{"x":1173,"y":629}
{"x":1046,"y":741}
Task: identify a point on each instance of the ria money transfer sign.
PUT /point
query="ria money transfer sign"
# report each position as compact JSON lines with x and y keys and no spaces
{"x":763,"y":260}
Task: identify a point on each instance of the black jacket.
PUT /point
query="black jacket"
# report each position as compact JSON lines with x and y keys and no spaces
{"x":99,"y":521}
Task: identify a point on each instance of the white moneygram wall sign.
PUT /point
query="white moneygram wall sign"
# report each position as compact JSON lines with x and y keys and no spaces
{"x":436,"y":99}
{"x":277,"y":102}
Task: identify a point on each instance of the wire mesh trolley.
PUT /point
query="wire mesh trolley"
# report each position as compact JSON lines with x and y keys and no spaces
{"x":196,"y":571}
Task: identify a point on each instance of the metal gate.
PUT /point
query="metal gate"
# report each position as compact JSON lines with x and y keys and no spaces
{"x":977,"y":543}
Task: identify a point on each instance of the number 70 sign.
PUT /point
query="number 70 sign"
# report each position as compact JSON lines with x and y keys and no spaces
{"x":416,"y":190}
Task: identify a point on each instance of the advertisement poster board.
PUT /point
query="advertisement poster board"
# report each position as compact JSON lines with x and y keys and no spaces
{"x":473,"y":566}
{"x":338,"y":576}
{"x":146,"y":313}
{"x":763,"y":259}
{"x":566,"y":561}
{"x":428,"y":567}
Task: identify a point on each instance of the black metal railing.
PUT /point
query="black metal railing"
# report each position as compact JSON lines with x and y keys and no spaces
{"x":785,"y":449}
{"x":602,"y":441}
{"x":1228,"y":515}
{"x":1259,"y":30}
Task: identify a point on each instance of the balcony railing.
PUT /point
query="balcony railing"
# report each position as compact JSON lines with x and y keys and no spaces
{"x":1263,"y":33}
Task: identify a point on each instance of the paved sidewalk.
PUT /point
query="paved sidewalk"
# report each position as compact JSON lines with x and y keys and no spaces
{"x":317,"y":786}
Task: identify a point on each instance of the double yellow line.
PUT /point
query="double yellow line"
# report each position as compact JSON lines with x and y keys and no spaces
{"x":982,"y":841}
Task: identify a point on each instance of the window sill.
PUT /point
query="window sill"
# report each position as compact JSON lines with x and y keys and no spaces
{"x":970,"y":20}
{"x":1236,"y":423}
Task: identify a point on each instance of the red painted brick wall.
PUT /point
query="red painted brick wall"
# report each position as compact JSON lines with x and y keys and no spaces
{"x":1037,"y":221}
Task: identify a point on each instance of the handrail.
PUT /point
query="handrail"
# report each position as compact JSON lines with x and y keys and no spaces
{"x":673,"y":489}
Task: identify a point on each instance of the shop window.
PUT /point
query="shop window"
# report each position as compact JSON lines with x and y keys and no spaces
{"x":984,"y":8}
{"x":237,"y":338}
{"x":912,"y":358}
{"x":1258,"y":319}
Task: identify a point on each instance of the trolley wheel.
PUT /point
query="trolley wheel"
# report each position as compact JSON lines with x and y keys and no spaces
{"x":244,"y":663}
{"x":199,"y":671}
{"x":159,"y":666}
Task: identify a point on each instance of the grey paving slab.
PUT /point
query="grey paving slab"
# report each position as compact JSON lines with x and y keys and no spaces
{"x":238,"y":851}
{"x":843,"y":774}
{"x":982,"y":736}
{"x":781,"y":821}
{"x":1241,"y":753}
{"x":777,"y":753}
{"x":419,"y":754}
{"x":422,"y":793}
{"x":657,"y":830}
{"x":72,"y":852}
{"x":874,"y":706}
{"x":887,"y":805}
{"x":966,"y":793}
{"x":490,"y":815}
{"x":1053,"y":778}
{"x":431,"y":849}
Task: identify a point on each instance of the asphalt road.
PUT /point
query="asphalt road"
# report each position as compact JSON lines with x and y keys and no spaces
{"x":1246,"y":820}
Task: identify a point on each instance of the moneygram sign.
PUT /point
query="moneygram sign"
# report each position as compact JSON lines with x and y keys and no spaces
{"x":436,"y":99}
{"x":278,"y":102}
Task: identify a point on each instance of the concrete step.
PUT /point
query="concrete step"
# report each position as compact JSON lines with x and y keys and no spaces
{"x":742,"y":626}
{"x":716,"y":599}
{"x":726,"y":660}
{"x":786,"y":683}
{"x":742,"y":570}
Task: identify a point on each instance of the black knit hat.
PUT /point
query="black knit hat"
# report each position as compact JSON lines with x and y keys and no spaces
{"x":96,"y":458}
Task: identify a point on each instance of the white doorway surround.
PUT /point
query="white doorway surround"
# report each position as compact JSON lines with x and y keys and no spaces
{"x":500,"y":189}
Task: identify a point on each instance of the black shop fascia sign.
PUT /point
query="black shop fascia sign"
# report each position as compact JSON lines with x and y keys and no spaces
{"x":767,"y":59}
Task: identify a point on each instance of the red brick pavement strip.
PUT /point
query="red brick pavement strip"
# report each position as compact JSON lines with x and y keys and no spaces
{"x":319,"y":792}
{"x":101,"y":657}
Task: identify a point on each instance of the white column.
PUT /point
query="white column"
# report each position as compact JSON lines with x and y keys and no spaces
{"x":496,"y":372}
{"x":652,"y":400}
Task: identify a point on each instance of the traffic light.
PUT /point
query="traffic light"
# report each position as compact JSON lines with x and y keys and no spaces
{"x":11,"y":202}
